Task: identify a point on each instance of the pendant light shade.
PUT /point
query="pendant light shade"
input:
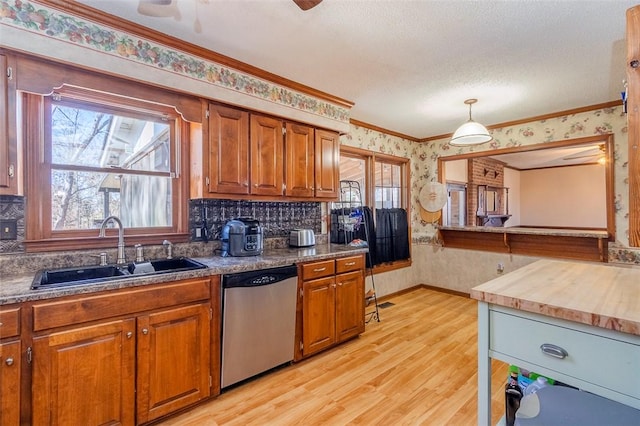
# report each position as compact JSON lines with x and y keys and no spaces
{"x":471,"y":132}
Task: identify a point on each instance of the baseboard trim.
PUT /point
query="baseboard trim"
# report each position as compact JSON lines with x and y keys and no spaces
{"x":386,"y":297}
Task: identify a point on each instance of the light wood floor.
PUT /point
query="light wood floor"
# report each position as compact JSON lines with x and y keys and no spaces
{"x":417,"y":366}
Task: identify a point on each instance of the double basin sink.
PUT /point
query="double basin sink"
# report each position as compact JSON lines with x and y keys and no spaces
{"x":97,"y":274}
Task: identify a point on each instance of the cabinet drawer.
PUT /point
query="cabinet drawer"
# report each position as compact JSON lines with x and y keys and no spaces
{"x":9,"y":321}
{"x":123,"y":302}
{"x":592,"y":356}
{"x":314,"y":270}
{"x":347,"y":264}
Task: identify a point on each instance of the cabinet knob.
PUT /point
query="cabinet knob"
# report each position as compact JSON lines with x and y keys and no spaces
{"x":129,"y":335}
{"x":255,"y":185}
{"x":9,"y":361}
{"x":145,"y":331}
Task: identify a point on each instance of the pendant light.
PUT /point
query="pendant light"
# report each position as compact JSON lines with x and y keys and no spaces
{"x":470,"y":133}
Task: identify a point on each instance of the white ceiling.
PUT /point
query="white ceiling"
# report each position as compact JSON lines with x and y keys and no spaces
{"x":408,"y":65}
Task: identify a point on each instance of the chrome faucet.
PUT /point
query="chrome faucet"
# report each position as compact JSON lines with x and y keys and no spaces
{"x":121,"y":258}
{"x":169,"y":248}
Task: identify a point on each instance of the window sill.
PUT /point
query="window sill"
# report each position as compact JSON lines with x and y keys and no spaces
{"x":110,"y":241}
{"x":391,"y":266}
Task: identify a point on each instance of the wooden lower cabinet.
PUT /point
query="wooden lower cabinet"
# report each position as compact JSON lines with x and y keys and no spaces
{"x":332,"y":305}
{"x":85,"y":375}
{"x":173,"y":360}
{"x":349,"y":305}
{"x":154,"y":356}
{"x":319,"y":315}
{"x":10,"y":359}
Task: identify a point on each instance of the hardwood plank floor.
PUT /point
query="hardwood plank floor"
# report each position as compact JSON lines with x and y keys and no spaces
{"x":417,"y":366}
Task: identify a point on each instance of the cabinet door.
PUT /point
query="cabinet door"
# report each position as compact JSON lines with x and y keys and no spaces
{"x":267,"y":150}
{"x":85,"y":376}
{"x":318,"y":315}
{"x":327,"y":164}
{"x":8,"y":140}
{"x":173,"y":360}
{"x":349,"y":305}
{"x":228,"y":150}
{"x":10,"y":356}
{"x":299,"y":147}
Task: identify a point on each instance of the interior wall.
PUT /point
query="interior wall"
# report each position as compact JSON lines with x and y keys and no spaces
{"x":512,"y":181}
{"x":456,"y":171}
{"x":546,"y":201}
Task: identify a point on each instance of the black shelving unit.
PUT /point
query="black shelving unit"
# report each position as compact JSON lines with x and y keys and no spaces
{"x":349,"y":222}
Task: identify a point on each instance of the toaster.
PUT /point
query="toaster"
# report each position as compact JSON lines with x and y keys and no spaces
{"x":302,"y":238}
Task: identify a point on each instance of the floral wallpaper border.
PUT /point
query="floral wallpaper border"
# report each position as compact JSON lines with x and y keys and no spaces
{"x":47,"y":22}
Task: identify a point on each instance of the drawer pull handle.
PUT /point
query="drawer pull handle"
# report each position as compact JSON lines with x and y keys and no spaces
{"x":9,"y":361}
{"x":349,"y":263}
{"x":319,"y":269}
{"x":553,"y":350}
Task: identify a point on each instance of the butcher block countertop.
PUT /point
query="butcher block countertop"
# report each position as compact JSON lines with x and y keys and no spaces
{"x":589,"y":293}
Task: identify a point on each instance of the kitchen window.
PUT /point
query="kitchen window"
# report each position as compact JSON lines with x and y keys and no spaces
{"x":384,"y":183}
{"x":101,"y":155}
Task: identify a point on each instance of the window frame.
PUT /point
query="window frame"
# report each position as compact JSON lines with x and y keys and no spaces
{"x":39,"y":233}
{"x":370,"y":159}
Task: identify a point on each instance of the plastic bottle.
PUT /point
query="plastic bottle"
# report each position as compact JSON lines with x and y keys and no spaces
{"x":539,"y":383}
{"x":512,"y":396}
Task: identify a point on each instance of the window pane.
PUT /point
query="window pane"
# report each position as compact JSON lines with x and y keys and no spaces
{"x":354,"y":169}
{"x":388,"y":185}
{"x":81,"y":200}
{"x":85,"y":137}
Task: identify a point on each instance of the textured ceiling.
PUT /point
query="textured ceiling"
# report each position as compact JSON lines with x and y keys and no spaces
{"x":409,"y":65}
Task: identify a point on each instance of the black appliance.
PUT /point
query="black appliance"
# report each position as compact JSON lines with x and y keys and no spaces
{"x":242,"y":237}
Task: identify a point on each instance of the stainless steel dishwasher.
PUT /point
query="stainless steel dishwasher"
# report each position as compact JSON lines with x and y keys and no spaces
{"x":258,"y":322}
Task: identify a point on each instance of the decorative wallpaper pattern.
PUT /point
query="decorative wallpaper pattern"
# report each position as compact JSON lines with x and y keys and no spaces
{"x":30,"y":16}
{"x":424,"y":158}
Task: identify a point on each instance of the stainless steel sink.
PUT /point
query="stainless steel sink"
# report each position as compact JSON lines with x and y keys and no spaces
{"x":97,"y":274}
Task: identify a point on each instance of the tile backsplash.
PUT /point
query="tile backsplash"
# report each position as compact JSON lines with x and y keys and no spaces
{"x":12,"y":207}
{"x":276,"y":218}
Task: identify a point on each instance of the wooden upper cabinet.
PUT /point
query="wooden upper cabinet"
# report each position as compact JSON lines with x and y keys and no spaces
{"x":246,"y":154}
{"x":267,"y":152}
{"x":228,"y":150}
{"x":327,"y":164}
{"x":8,"y":142}
{"x":299,"y":147}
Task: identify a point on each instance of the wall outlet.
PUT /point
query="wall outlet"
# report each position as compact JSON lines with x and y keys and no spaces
{"x":500,"y":268}
{"x":198,"y":232}
{"x":8,"y":229}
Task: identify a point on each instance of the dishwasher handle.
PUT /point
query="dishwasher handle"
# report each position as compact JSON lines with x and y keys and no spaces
{"x":260,"y":277}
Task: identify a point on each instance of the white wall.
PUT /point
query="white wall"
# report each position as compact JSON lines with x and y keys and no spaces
{"x":546,"y":199}
{"x":512,"y":181}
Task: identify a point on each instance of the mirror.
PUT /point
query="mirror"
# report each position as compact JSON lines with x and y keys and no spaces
{"x":566,"y":184}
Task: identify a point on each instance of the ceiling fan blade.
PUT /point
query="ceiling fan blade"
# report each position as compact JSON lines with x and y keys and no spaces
{"x":307,"y":4}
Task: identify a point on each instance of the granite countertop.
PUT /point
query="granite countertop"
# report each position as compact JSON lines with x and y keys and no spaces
{"x":530,"y":231}
{"x":589,"y":293}
{"x":17,"y":288}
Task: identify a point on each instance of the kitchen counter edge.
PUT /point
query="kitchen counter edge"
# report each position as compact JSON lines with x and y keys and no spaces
{"x":17,"y":289}
{"x":594,"y":294}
